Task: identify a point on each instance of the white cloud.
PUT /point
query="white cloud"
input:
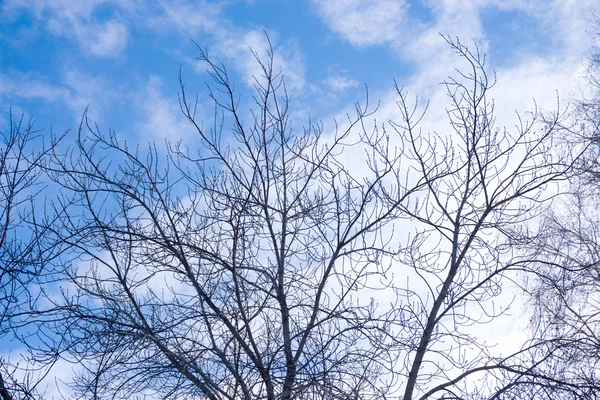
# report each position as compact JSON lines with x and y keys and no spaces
{"x":109,"y":41}
{"x":524,"y":75}
{"x":233,"y":42}
{"x":30,"y":86}
{"x":188,"y":18}
{"x":77,"y":91}
{"x":457,"y":19}
{"x":74,"y":19}
{"x":339,"y":83}
{"x":161,"y":117}
{"x":390,"y":23}
{"x":90,"y":91}
{"x":536,"y":82}
{"x":287,"y":58}
{"x":364,"y":23}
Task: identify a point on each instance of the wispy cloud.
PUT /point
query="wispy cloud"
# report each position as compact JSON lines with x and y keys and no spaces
{"x":30,"y":86}
{"x":160,"y":118}
{"x":240,"y":47}
{"x":77,"y":91}
{"x":76,"y":20}
{"x":188,"y":17}
{"x":364,"y":23}
{"x":235,"y":43}
{"x":340,"y":83}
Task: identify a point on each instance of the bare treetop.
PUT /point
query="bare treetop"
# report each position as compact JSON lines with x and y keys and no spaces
{"x":252,"y":263}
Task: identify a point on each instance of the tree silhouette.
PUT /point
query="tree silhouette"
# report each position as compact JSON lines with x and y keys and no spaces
{"x":260,"y":263}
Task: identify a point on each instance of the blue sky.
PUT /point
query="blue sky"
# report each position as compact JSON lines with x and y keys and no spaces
{"x":122,"y":57}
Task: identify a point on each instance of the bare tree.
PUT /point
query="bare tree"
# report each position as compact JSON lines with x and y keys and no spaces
{"x":259,"y":264}
{"x":22,"y":255}
{"x":229,"y":271}
{"x":566,"y":289}
{"x":482,"y":183}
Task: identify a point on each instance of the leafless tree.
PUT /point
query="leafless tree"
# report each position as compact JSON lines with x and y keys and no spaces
{"x":567,"y":285}
{"x":261,"y":264}
{"x":483,"y":182}
{"x":22,"y":255}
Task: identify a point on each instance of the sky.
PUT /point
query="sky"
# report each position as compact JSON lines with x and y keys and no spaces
{"x":120,"y":59}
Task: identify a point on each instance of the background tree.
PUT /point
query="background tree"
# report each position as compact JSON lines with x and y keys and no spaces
{"x":262,"y":264}
{"x":566,"y":291}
